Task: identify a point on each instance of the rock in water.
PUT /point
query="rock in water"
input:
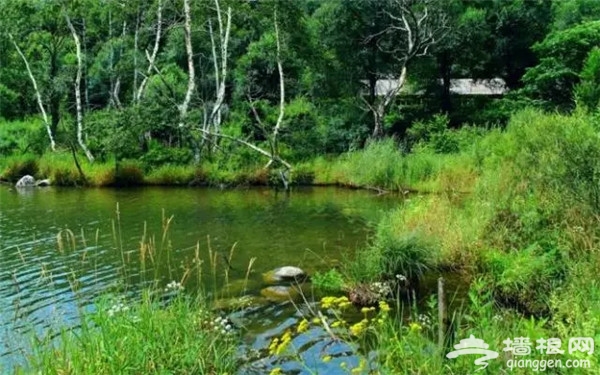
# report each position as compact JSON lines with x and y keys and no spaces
{"x":284,"y":274}
{"x":280,"y":293}
{"x":25,"y":181}
{"x":42,"y":183}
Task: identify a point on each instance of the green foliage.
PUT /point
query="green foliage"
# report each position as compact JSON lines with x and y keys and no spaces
{"x":19,"y":166}
{"x":523,"y":278}
{"x":562,"y":55}
{"x":159,"y":155}
{"x":169,"y":174}
{"x":331,"y":281}
{"x":587,"y":91}
{"x":20,"y":137}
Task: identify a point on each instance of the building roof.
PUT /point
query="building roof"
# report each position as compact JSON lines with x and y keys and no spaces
{"x":458,"y":86}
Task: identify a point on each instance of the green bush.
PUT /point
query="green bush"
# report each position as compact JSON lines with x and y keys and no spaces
{"x":331,"y":281}
{"x":523,"y":278}
{"x":159,"y":155}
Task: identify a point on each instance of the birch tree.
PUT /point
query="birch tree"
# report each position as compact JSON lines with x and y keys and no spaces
{"x":37,"y":93}
{"x":139,"y":91}
{"x":79,"y":110}
{"x":220,"y":65}
{"x":187,"y":31}
{"x":272,"y":137}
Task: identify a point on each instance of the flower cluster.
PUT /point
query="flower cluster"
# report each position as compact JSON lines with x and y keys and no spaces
{"x":424,"y":320}
{"x":384,"y":307}
{"x":381,"y":289}
{"x":303,"y":326}
{"x":174,"y":286}
{"x":117,"y":308}
{"x":359,"y":328}
{"x":278,"y":345}
{"x":222,"y":325}
{"x":335,"y":302}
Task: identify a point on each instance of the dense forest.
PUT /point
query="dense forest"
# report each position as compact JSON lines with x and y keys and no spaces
{"x":278,"y":82}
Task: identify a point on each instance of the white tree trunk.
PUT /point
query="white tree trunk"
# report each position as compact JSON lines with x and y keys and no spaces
{"x":152,"y":58}
{"x":220,"y":77}
{"x":187,"y":28}
{"x":37,"y":94}
{"x":87,"y":152}
{"x":136,"y":38}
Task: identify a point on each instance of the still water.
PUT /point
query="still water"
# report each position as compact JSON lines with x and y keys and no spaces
{"x":62,"y":248}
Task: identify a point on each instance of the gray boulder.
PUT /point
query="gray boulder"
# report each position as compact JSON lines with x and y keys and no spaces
{"x":26,"y":181}
{"x":42,"y":183}
{"x":284,"y":274}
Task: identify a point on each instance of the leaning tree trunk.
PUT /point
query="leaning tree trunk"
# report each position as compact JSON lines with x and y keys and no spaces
{"x":37,"y":94}
{"x":87,"y":152}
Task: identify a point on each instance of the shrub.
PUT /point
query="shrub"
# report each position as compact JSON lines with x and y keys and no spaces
{"x":128,"y":173}
{"x":159,"y":155}
{"x":171,"y":175}
{"x":523,"y":278}
{"x":331,"y":281}
{"x":18,"y":167}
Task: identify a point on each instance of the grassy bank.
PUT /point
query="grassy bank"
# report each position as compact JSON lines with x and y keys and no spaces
{"x":527,"y":236}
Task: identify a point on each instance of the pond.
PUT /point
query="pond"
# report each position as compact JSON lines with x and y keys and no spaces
{"x":62,"y":248}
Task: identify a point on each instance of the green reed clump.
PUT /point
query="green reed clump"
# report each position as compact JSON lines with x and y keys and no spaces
{"x":129,"y":173}
{"x":393,"y":251}
{"x":169,"y":174}
{"x":16,"y":167}
{"x":142,"y":337}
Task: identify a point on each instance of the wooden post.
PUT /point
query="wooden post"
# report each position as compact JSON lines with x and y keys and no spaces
{"x":442,"y":314}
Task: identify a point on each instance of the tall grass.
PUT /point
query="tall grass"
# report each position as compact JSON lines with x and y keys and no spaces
{"x":382,"y":165}
{"x":144,"y":337}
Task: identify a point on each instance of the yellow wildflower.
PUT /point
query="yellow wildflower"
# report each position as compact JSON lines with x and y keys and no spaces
{"x":276,"y":371}
{"x":384,"y":307}
{"x":358,"y":328}
{"x":273,"y":345}
{"x":316,"y":320}
{"x":326,"y":358}
{"x":366,"y":310}
{"x":336,"y":324}
{"x":345,"y":305}
{"x":327,"y":302}
{"x":415,"y":327}
{"x":303,"y":326}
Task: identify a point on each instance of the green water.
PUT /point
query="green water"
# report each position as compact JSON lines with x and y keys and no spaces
{"x":311,"y":228}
